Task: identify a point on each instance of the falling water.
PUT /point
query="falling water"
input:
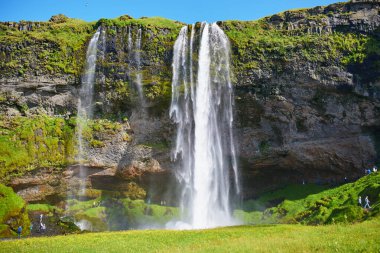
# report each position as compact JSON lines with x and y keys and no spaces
{"x":85,"y":107}
{"x":138,"y":63}
{"x":204,"y":145}
{"x":134,"y":50}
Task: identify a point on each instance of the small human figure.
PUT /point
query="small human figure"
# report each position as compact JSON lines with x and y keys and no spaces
{"x":366,"y":200}
{"x":360,"y":201}
{"x":43,"y":227}
{"x":19,"y":231}
{"x":374,"y":169}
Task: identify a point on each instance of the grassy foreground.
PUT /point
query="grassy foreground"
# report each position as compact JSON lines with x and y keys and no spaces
{"x":360,"y":237}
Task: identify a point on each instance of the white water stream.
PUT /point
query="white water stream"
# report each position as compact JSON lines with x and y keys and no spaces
{"x":204,"y":148}
{"x":85,"y":106}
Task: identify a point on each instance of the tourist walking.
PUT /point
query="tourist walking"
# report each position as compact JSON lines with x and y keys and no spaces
{"x":366,"y":202}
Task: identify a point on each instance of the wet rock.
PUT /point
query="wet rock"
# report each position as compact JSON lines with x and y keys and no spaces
{"x":41,"y":185}
{"x":138,"y":162}
{"x":36,"y":193}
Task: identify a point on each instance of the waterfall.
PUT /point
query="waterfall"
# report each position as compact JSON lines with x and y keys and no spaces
{"x":138,"y":67}
{"x":204,"y":150}
{"x":134,"y":50}
{"x":85,"y":105}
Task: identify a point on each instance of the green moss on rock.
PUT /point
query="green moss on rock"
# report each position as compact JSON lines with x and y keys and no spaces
{"x":43,"y":208}
{"x":134,"y":191}
{"x":34,"y":142}
{"x":12,"y":213}
{"x":50,"y":48}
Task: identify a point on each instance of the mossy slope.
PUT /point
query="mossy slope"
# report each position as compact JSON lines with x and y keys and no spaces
{"x":12,"y":213}
{"x":34,"y":142}
{"x":336,"y":205}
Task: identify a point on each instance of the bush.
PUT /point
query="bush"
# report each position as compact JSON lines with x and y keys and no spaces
{"x":60,"y":18}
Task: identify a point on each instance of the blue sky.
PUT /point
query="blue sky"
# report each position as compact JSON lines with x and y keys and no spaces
{"x":185,"y":11}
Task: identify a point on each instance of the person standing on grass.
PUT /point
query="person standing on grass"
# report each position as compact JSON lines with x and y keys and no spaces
{"x":19,"y":231}
{"x":360,"y":201}
{"x":366,"y":202}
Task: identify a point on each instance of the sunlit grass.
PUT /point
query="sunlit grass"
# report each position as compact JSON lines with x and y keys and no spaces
{"x":361,"y":237}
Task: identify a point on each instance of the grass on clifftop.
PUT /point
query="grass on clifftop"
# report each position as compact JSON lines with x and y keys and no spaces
{"x":274,"y":238}
{"x":259,"y":45}
{"x":151,"y":22}
{"x":54,"y":48}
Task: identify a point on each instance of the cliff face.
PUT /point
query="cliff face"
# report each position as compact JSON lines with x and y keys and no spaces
{"x":306,"y":95}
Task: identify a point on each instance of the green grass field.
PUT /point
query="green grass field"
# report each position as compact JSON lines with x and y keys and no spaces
{"x":360,"y":237}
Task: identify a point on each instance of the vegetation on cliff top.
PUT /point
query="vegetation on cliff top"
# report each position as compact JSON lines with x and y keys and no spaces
{"x":49,"y":48}
{"x":151,"y":23}
{"x":58,"y":47}
{"x":260,"y":45}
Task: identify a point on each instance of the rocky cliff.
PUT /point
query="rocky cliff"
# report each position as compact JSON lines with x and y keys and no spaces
{"x":306,"y":98}
{"x":308,"y":94}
